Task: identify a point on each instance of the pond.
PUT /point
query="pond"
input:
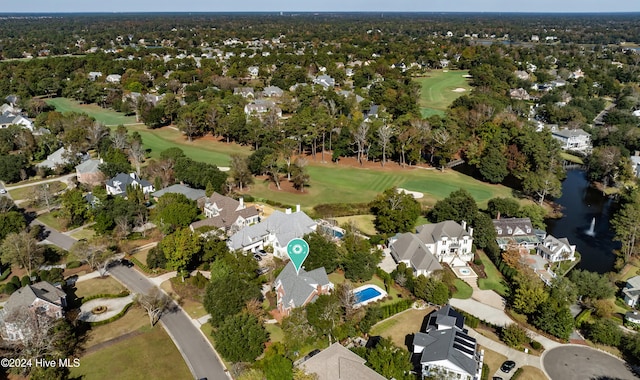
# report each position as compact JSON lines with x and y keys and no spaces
{"x":585,"y":222}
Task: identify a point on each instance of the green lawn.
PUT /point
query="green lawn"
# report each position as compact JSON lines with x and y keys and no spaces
{"x":339,"y":184}
{"x":463,"y":290}
{"x":94,"y":286}
{"x":364,"y":223}
{"x":494,"y":280}
{"x":399,"y":326}
{"x":51,"y":219}
{"x":27,"y":192}
{"x":437,"y":90}
{"x":105,"y":116}
{"x":275,"y":332}
{"x":571,"y":158}
{"x":150,"y":355}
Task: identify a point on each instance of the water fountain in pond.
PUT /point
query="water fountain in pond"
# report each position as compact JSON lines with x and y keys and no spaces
{"x":592,"y":230}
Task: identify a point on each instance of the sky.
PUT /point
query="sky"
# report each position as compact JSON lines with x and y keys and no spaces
{"x":547,"y":6}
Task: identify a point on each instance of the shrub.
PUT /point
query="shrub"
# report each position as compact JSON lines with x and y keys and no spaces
{"x":74,"y":264}
{"x":517,"y":373}
{"x":514,"y":335}
{"x":15,"y":280}
{"x":5,"y":274}
{"x":536,"y":345}
{"x":25,"y":280}
{"x":123,"y":293}
{"x":485,"y":372}
{"x":117,"y":316}
{"x":332,"y":210}
{"x":9,"y":288}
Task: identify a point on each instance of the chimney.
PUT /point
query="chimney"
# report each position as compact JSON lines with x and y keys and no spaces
{"x":287,"y":211}
{"x":297,"y":208}
{"x":498,"y":216}
{"x":241,"y":206}
{"x":471,"y":231}
{"x":464,"y":225}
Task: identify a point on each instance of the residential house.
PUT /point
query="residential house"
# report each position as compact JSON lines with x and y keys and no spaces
{"x":197,"y":195}
{"x":631,"y":291}
{"x":445,"y":350}
{"x":93,"y":75}
{"x":88,"y":172}
{"x":516,"y":232}
{"x":40,"y":300}
{"x":325,"y":81}
{"x":432,"y":244}
{"x":553,"y":249}
{"x":371,"y":113}
{"x":7,"y":119}
{"x":573,"y":139}
{"x":113,"y":78}
{"x":227,"y":214}
{"x":635,"y":164}
{"x":632,"y":317}
{"x":253,"y":71}
{"x":520,"y":74}
{"x":339,"y":363}
{"x":272,"y":92}
{"x":60,"y":157}
{"x":118,"y":184}
{"x":519,"y":94}
{"x":262,"y":106}
{"x":299,"y":289}
{"x":275,"y":231}
{"x":245,"y":92}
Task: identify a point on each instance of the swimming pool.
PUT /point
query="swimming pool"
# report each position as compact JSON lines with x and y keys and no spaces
{"x":465,"y":271}
{"x":335,"y":232}
{"x":367,"y":294}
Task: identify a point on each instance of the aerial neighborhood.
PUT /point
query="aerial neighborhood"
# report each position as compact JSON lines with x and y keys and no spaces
{"x":319,"y":196}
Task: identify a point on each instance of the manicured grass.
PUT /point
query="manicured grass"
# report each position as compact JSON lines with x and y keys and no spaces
{"x":531,"y":373}
{"x":437,"y":90}
{"x":51,"y":219}
{"x":104,"y":285}
{"x":629,"y":270}
{"x":27,"y":192}
{"x":275,"y":332}
{"x":571,"y":158}
{"x":339,"y":184}
{"x":364,"y":223}
{"x":151,"y":355}
{"x":105,"y":116}
{"x":400,"y":326}
{"x":494,"y":360}
{"x":135,"y":319}
{"x":85,"y":233}
{"x":463,"y":290}
{"x":494,"y":280}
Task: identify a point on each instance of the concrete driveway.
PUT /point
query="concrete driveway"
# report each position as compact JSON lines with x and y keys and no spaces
{"x":571,"y":362}
{"x":114,"y":306}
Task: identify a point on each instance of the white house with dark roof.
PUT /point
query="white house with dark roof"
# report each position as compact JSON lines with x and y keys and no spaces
{"x":445,"y":350}
{"x":573,"y":139}
{"x":275,"y":231}
{"x":118,"y":184}
{"x":339,"y":363}
{"x":553,"y":249}
{"x":8,"y":119}
{"x":40,"y":300}
{"x":631,"y":291}
{"x":299,"y":289}
{"x":227,"y":214}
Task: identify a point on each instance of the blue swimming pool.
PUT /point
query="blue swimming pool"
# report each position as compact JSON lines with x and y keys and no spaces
{"x":333,"y":231}
{"x":366,"y":294}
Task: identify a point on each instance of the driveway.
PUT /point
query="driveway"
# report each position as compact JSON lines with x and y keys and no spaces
{"x":196,"y":350}
{"x":581,"y":362}
{"x":55,"y":237}
{"x":114,"y":306}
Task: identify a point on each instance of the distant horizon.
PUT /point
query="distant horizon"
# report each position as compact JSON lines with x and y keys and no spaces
{"x":326,"y":6}
{"x":285,"y":13}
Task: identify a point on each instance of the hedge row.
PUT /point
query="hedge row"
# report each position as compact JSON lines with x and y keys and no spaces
{"x":333,"y":210}
{"x":142,"y":266}
{"x":123,"y":293}
{"x":6,"y":274}
{"x":583,"y":317}
{"x":485,"y":372}
{"x":74,"y":264}
{"x":115,"y":317}
{"x":517,"y":373}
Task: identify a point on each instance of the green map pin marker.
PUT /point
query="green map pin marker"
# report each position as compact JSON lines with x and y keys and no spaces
{"x":297,"y":250}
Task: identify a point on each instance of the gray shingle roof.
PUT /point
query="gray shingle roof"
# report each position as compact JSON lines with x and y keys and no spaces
{"x":409,"y":247}
{"x":431,"y":233}
{"x":24,"y":297}
{"x":299,"y":287}
{"x":191,"y":193}
{"x":339,"y":363}
{"x":89,"y":166}
{"x":284,"y":226}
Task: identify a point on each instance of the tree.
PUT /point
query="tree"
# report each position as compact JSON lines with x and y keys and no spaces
{"x":180,"y":248}
{"x":514,"y":335}
{"x":240,"y":171}
{"x":591,"y":285}
{"x":22,"y":249}
{"x":154,"y":302}
{"x":11,"y":222}
{"x":324,"y":314}
{"x":529,"y":292}
{"x":275,"y":364}
{"x":385,"y":133}
{"x":74,"y":208}
{"x":175,"y":210}
{"x":299,"y":175}
{"x":10,"y":166}
{"x":240,"y":337}
{"x":94,"y":252}
{"x":297,"y":330}
{"x":136,"y":154}
{"x":458,"y":206}
{"x":493,"y":165}
{"x":625,"y":224}
{"x":322,"y":253}
{"x":555,"y":320}
{"x":360,"y":138}
{"x":360,"y":265}
{"x":227,"y":295}
{"x":542,"y":183}
{"x":504,"y":207}
{"x":395,"y":211}
{"x":431,"y":289}
{"x":387,"y":359}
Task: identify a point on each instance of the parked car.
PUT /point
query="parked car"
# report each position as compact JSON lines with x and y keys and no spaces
{"x":126,"y":263}
{"x":257,"y":257}
{"x":3,"y":191}
{"x":507,"y":366}
{"x":262,"y":252}
{"x":263,"y":270}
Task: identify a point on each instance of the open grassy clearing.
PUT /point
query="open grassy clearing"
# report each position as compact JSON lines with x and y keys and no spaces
{"x":27,"y":192}
{"x":151,"y":355}
{"x":275,"y":332}
{"x":401,"y":325}
{"x":51,"y":219}
{"x":531,"y":373}
{"x":364,"y":223}
{"x":463,"y":290}
{"x":494,"y":280}
{"x":105,"y":116}
{"x":494,"y":360}
{"x":437,"y":90}
{"x":135,"y":319}
{"x":85,"y":233}
{"x":103,"y":285}
{"x":338,"y":184}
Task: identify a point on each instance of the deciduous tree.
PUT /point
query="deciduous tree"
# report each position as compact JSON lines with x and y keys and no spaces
{"x":240,"y":337}
{"x":154,"y":302}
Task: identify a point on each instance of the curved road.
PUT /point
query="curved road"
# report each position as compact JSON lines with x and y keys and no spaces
{"x":197,"y":352}
{"x":570,"y":362}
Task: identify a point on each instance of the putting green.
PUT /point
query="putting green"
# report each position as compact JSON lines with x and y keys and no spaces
{"x":440,"y":88}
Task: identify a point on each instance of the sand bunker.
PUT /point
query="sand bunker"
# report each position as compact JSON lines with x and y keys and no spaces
{"x":460,"y":89}
{"x":414,"y":194}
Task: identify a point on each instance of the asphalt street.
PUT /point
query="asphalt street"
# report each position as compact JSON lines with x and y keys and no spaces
{"x":195,"y":349}
{"x":55,"y":237}
{"x":581,"y":362}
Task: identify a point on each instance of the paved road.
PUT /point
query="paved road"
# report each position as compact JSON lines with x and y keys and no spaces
{"x":195,"y":349}
{"x":55,"y":237}
{"x":65,"y":178}
{"x":581,"y":362}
